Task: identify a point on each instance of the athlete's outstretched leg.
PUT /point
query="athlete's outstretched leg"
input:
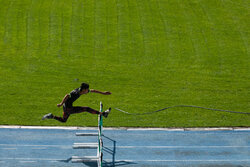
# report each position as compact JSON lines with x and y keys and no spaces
{"x":90,"y":110}
{"x":84,"y":109}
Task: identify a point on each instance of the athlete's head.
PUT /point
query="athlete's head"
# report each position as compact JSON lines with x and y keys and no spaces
{"x":84,"y":86}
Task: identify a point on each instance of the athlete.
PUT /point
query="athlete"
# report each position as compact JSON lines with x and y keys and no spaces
{"x":68,"y":107}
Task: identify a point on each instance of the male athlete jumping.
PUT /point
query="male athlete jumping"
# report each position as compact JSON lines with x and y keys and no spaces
{"x":68,"y":107}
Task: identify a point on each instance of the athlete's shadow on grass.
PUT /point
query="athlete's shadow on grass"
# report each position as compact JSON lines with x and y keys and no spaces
{"x":112,"y":152}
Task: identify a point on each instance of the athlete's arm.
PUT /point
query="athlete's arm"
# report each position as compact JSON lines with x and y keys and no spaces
{"x":63,"y":101}
{"x":97,"y":91}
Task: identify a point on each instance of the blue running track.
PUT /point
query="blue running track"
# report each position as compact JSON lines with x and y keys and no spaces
{"x":126,"y":147}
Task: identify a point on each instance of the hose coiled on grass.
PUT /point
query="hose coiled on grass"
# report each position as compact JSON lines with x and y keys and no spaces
{"x":152,"y":112}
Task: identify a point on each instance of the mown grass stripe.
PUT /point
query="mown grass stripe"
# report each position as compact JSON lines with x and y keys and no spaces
{"x":233,"y":14}
{"x":100,"y":31}
{"x":159,"y":29}
{"x":89,"y":29}
{"x":112,"y":33}
{"x":71,"y":29}
{"x":194,"y":34}
{"x":235,"y":39}
{"x":3,"y":12}
{"x":162,"y":28}
{"x":123,"y":27}
{"x":44,"y":13}
{"x":135,"y":33}
{"x":49,"y":27}
{"x":66,"y":29}
{"x":76,"y":31}
{"x":6,"y":18}
{"x":33,"y":30}
{"x":214,"y":60}
{"x":118,"y":34}
{"x":61,"y":53}
{"x":94,"y":34}
{"x":81,"y":29}
{"x":40,"y":26}
{"x":147,"y":29}
{"x":9,"y":32}
{"x":27,"y":27}
{"x":141,"y":27}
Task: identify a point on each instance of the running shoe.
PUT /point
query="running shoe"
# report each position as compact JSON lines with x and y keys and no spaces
{"x":47,"y":116}
{"x":106,"y":113}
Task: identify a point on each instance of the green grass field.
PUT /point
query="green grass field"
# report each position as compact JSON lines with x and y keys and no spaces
{"x":149,"y":53}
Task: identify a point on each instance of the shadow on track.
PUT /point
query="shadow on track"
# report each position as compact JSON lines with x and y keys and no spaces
{"x":112,"y":152}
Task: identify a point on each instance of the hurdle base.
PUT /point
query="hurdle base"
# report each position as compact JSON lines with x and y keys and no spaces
{"x":85,"y":145}
{"x":78,"y":159}
{"x":86,"y":134}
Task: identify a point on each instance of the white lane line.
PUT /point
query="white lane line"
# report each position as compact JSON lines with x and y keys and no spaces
{"x":8,"y":148}
{"x":179,"y":147}
{"x":242,"y":129}
{"x":27,"y":161}
{"x":70,"y":146}
{"x":30,"y":145}
{"x":30,"y":159}
{"x":155,"y":129}
{"x":39,"y":148}
{"x":188,"y":160}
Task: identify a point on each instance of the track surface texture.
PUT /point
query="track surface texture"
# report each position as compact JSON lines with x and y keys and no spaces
{"x":128,"y":147}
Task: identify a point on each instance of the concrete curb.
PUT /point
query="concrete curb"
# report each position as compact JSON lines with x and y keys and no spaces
{"x":128,"y":128}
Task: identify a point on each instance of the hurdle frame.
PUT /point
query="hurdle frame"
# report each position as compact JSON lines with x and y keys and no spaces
{"x":99,"y":146}
{"x":100,"y":142}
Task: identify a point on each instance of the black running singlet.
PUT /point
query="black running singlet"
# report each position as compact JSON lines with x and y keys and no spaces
{"x":73,"y":96}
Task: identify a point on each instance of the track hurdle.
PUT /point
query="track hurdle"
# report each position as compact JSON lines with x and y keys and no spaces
{"x":98,"y":145}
